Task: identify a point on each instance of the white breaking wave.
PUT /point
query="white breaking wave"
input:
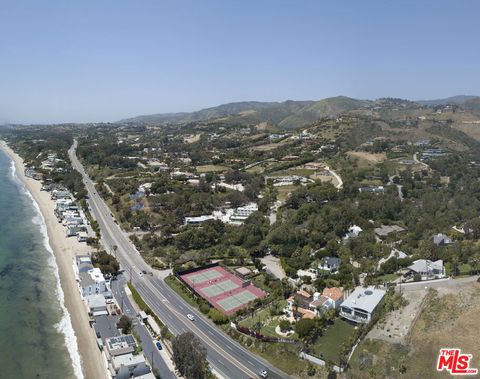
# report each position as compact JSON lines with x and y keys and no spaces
{"x":13,"y":169}
{"x":64,"y":326}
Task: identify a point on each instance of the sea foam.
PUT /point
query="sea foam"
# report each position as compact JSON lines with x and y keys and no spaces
{"x":64,"y":326}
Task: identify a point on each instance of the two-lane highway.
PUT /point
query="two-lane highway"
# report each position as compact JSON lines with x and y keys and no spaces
{"x":226,"y":356}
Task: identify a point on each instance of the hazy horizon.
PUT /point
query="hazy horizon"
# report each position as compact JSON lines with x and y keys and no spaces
{"x":102,"y":62}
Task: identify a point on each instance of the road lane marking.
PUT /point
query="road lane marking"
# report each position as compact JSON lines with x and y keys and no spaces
{"x":124,"y":251}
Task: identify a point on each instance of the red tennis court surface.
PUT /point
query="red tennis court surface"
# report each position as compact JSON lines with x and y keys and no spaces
{"x":222,"y":289}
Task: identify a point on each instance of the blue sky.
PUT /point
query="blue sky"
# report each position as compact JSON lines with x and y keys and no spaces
{"x":101,"y":60}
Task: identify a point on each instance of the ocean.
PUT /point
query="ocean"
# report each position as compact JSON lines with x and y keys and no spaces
{"x":36,"y":335}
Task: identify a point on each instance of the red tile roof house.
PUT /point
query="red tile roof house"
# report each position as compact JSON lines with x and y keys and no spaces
{"x":304,"y":305}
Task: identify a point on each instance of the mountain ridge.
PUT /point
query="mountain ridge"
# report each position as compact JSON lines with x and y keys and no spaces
{"x":289,"y":114}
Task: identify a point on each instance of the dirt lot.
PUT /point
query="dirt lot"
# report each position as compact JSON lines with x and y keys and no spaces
{"x":266,"y":147}
{"x":194,"y":138}
{"x":472,"y":129}
{"x":396,"y":327}
{"x":368,"y":157}
{"x":449,"y":319}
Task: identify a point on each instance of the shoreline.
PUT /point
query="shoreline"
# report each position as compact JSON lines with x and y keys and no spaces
{"x":63,"y":252}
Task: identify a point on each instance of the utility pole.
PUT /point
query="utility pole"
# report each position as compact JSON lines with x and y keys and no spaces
{"x":152,"y":362}
{"x":130,"y":275}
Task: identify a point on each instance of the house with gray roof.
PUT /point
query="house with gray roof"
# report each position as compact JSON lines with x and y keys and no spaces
{"x":385,"y":230}
{"x":441,"y":240}
{"x":129,"y":366}
{"x":83,"y":264}
{"x":119,"y":345}
{"x":427,"y":269}
{"x":361,"y":305}
{"x":105,"y":327}
{"x":330,"y":264}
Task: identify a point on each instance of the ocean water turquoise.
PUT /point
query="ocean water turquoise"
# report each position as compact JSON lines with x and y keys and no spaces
{"x":36,"y":337}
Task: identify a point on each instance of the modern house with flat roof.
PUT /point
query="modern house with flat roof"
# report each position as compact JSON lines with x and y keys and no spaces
{"x":129,"y":366}
{"x":97,"y":305}
{"x":362,"y":303}
{"x":120,"y":345}
{"x":83,"y":264}
{"x":92,"y":282}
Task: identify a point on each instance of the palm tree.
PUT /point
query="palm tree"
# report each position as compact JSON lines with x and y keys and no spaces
{"x":296,"y":305}
{"x":455,"y":262}
{"x":330,"y":315}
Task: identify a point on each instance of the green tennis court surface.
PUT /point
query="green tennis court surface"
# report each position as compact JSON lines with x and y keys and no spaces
{"x":204,"y":276}
{"x":217,"y":289}
{"x":237,"y":300}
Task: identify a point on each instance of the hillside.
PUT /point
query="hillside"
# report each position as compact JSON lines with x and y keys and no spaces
{"x":297,"y":114}
{"x":473,"y":106}
{"x":287,"y":114}
{"x":330,"y":107}
{"x":246,"y":111}
{"x":459,"y":100}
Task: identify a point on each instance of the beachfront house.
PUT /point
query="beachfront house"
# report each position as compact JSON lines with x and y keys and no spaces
{"x":361,"y":305}
{"x":97,"y":305}
{"x":92,"y":282}
{"x":83,"y":263}
{"x":129,"y":366}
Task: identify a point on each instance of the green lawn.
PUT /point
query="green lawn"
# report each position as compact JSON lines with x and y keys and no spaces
{"x":386,"y":278}
{"x":283,"y":191}
{"x":328,"y":345}
{"x":211,"y":168}
{"x":463,"y":269}
{"x":268,"y":323}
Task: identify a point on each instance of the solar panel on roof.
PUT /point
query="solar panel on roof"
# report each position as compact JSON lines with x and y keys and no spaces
{"x":130,"y":340}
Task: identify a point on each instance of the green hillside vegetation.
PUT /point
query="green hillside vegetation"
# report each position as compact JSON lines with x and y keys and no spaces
{"x":288,"y":114}
{"x":331,"y":107}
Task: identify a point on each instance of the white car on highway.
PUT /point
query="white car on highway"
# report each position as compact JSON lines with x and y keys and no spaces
{"x":191,"y":317}
{"x":263,"y":373}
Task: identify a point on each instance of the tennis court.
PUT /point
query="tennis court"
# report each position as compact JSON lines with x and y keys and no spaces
{"x":221,"y":288}
{"x":237,"y":300}
{"x":203,"y":276}
{"x":217,"y":289}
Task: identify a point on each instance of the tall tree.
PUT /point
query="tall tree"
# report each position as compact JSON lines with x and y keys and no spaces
{"x":190,"y":356}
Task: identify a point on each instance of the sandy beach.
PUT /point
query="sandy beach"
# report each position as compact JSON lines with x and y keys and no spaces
{"x":65,"y":249}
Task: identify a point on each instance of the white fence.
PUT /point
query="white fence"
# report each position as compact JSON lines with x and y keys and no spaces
{"x":319,"y":361}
